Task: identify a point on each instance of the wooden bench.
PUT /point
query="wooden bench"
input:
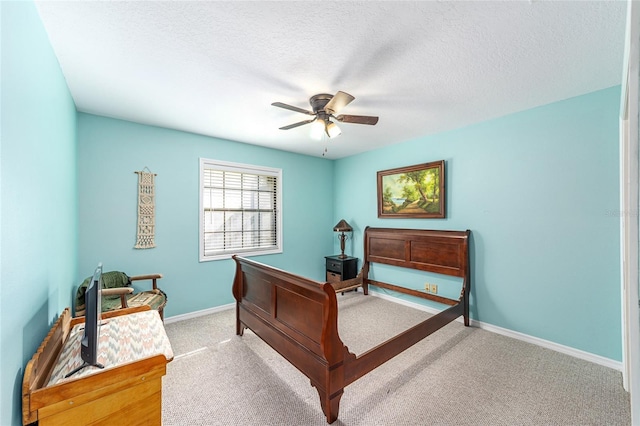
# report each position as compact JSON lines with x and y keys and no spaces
{"x":127,"y":391}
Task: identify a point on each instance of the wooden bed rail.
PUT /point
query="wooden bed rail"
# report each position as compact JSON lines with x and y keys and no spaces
{"x":382,"y":353}
{"x":416,"y":293}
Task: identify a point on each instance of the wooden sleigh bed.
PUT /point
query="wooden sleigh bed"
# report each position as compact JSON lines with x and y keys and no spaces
{"x":298,"y":317}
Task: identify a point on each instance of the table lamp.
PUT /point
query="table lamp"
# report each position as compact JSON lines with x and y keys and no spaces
{"x":342,"y":227}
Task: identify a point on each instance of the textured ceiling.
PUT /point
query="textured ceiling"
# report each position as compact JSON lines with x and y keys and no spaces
{"x":214,"y":68}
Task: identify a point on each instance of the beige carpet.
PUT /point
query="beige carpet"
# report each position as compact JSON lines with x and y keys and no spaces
{"x":457,"y":376}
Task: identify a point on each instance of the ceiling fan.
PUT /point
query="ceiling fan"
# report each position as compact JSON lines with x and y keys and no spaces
{"x":324,"y":108}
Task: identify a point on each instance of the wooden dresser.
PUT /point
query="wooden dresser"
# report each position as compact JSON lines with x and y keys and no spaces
{"x":134,"y":350}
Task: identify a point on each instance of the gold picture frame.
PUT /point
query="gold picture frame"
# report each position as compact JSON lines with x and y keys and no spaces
{"x":412,"y":192}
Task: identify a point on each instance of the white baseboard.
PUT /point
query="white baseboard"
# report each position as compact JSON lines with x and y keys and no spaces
{"x":196,"y":314}
{"x":577,"y":353}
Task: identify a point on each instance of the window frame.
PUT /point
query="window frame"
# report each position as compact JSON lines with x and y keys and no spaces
{"x":212,"y":164}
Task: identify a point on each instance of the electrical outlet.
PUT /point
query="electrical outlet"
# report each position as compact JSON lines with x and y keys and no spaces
{"x":427,"y":287}
{"x":433,"y":288}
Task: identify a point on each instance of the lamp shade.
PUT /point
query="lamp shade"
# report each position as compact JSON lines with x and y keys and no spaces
{"x":342,"y":226}
{"x":317,"y":129}
{"x":333,"y":130}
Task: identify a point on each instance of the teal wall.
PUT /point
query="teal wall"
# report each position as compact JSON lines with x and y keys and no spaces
{"x":540,"y":192}
{"x":38,"y":219}
{"x":538,"y":189}
{"x":109,"y":151}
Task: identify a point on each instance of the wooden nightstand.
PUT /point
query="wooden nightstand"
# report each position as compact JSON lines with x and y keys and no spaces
{"x":340,"y":269}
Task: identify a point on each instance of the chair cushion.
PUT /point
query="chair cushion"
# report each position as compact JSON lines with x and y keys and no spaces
{"x":156,"y":299}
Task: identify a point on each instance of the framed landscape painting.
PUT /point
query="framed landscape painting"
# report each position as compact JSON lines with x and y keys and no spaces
{"x":412,"y":192}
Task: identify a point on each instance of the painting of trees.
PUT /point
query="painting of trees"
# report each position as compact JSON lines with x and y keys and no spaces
{"x":415,"y":191}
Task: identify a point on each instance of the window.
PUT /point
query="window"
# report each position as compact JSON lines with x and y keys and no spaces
{"x":239,"y":210}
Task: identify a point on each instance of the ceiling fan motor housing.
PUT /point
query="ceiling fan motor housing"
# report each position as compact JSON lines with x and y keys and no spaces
{"x":318,"y":102}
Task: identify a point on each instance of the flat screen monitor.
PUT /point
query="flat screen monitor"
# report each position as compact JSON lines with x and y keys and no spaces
{"x":92,"y":318}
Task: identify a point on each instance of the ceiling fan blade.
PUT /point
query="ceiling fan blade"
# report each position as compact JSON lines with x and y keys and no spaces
{"x":300,"y":123}
{"x":292,"y":108}
{"x":339,"y":101}
{"x":359,"y":119}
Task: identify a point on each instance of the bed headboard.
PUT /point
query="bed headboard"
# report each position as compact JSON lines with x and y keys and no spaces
{"x":443,"y":252}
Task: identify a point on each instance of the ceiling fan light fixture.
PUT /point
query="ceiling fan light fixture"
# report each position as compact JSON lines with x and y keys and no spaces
{"x":317,"y":129}
{"x":332,"y":129}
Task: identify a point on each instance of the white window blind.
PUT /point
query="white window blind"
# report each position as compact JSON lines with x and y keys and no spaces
{"x":239,"y":210}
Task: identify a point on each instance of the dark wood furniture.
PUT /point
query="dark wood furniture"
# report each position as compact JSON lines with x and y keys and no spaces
{"x":298,"y":317}
{"x":341,"y":268}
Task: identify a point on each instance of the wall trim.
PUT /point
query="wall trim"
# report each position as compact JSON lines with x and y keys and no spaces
{"x":576,"y":353}
{"x":196,"y":314}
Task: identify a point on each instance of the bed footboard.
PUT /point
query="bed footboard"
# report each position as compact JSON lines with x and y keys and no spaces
{"x":297,"y":317}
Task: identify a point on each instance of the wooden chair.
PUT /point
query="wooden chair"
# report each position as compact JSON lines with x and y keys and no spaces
{"x":117,"y":293}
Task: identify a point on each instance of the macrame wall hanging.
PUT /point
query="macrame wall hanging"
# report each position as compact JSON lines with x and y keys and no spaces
{"x":146,"y":210}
